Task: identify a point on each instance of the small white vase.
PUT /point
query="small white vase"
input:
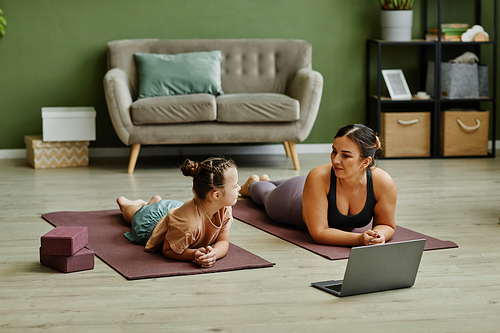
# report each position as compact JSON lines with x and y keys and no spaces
{"x":396,"y":24}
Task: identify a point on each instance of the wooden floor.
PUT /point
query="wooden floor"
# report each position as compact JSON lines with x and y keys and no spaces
{"x":457,"y":290}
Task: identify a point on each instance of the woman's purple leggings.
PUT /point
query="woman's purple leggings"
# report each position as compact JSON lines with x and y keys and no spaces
{"x":282,"y":199}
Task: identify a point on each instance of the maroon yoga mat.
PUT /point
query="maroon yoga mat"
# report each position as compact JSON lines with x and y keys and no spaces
{"x":249,"y":212}
{"x":106,"y":229}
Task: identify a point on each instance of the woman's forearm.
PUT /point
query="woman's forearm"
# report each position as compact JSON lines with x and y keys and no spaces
{"x":337,"y":237}
{"x":388,"y":231}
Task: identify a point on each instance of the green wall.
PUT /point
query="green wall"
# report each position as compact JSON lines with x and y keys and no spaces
{"x":53,"y":53}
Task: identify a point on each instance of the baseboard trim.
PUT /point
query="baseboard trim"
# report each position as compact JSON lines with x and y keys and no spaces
{"x":273,"y":149}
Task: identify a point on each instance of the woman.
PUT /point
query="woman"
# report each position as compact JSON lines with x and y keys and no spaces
{"x":195,"y":230}
{"x":335,"y":198}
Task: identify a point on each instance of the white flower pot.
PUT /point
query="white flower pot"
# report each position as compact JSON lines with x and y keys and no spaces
{"x":396,"y":24}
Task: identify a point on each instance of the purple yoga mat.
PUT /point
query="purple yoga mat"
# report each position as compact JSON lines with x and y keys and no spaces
{"x":247,"y":211}
{"x":106,"y":229}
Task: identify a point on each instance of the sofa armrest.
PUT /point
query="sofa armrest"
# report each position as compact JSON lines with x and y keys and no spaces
{"x":119,"y":99}
{"x":307,"y":88}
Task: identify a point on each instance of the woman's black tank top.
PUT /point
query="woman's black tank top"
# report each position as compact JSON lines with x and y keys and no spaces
{"x":340,"y":221}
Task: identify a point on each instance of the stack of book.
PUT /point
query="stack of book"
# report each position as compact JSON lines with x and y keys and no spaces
{"x":450,"y":32}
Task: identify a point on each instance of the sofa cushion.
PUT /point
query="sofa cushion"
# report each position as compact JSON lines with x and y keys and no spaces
{"x":174,"y":109}
{"x":258,"y":107}
{"x":179,"y":74}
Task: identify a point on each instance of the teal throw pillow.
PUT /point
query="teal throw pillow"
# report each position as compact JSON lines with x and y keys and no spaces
{"x":179,"y":74}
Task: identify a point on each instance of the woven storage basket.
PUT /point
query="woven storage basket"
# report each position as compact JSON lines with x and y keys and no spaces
{"x":406,"y":134}
{"x":464,"y":133}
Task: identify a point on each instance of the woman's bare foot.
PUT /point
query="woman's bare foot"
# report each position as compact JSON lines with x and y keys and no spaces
{"x":264,"y":178}
{"x":244,"y":188}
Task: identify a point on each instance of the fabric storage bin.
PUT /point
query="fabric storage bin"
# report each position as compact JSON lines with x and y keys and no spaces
{"x":484,"y":81}
{"x":458,"y":80}
{"x":406,"y":134}
{"x":41,"y":155}
{"x":464,"y":133}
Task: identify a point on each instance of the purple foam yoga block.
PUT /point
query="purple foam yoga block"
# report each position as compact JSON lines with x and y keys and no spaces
{"x":64,"y":241}
{"x":80,"y":261}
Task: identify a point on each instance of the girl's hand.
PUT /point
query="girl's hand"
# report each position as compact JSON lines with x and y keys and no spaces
{"x":205,"y":257}
{"x":199,"y":253}
{"x":372,"y":237}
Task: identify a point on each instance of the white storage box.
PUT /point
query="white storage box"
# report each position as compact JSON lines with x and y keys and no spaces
{"x":68,"y":124}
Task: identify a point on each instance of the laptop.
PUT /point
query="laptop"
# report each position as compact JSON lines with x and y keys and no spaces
{"x":377,"y":268}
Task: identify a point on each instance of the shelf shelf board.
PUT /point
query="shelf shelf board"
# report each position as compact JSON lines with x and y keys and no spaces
{"x":411,"y":42}
{"x":489,"y":155}
{"x":425,"y":42}
{"x":385,"y":99}
{"x":479,"y":99}
{"x":468,"y":43}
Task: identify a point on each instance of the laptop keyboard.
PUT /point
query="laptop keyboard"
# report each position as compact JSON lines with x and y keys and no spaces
{"x":334,"y":287}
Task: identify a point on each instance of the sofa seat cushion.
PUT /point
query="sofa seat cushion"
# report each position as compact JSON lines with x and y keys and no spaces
{"x":257,"y":107}
{"x":174,"y":109}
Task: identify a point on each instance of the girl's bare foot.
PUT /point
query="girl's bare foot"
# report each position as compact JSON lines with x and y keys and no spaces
{"x":244,"y":188}
{"x":123,"y":202}
{"x":154,"y":199}
{"x":264,"y":178}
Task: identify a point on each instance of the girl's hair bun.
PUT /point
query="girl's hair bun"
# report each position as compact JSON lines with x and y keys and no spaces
{"x":190,"y":168}
{"x":207,"y":175}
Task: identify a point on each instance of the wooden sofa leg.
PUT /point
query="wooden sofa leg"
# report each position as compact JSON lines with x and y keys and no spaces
{"x":287,"y":148}
{"x":134,"y":153}
{"x":293,"y":153}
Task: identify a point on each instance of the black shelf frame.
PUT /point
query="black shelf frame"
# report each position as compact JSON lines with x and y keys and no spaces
{"x":435,"y":104}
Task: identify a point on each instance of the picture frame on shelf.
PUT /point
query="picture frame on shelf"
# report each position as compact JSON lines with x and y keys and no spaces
{"x":396,"y":84}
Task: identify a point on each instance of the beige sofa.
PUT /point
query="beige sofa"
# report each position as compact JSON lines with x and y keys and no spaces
{"x":271,"y":94}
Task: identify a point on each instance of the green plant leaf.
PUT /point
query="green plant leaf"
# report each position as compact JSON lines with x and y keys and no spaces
{"x":396,"y":4}
{"x":3,"y":24}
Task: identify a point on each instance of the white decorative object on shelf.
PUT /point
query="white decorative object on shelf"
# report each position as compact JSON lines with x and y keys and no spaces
{"x":471,"y":34}
{"x":422,"y":95}
{"x":396,"y":25}
{"x":466,"y":58}
{"x":68,"y":124}
{"x":396,"y":84}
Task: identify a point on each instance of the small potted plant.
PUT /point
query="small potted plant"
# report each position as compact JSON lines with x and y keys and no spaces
{"x":3,"y":24}
{"x":396,"y":19}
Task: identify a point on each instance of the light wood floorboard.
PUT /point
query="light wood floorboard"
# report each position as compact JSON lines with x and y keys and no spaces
{"x":457,"y":290}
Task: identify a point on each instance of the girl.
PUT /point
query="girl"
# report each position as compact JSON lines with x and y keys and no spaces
{"x":335,"y":198}
{"x":196,"y":230}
